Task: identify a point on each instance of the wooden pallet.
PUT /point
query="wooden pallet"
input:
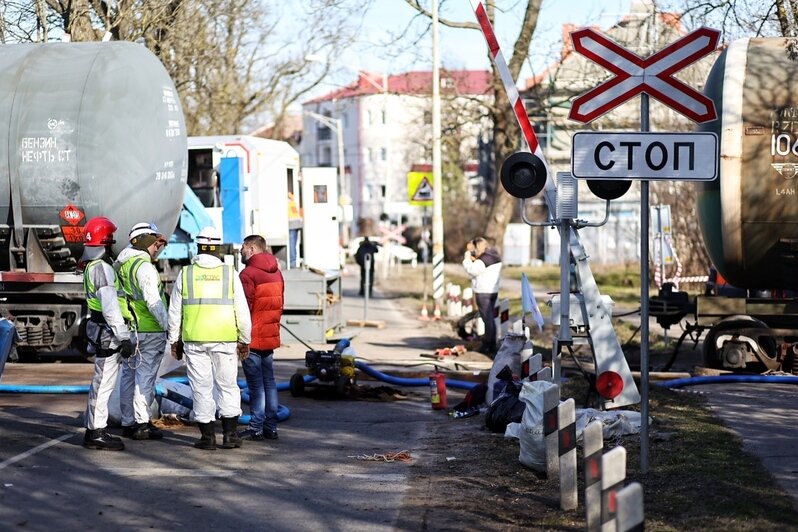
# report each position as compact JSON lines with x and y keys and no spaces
{"x":379,"y":324}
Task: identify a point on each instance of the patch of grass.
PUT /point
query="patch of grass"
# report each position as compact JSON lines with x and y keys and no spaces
{"x":699,"y":477}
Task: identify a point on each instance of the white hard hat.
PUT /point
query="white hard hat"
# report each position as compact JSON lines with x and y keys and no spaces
{"x":209,"y":235}
{"x":144,"y":228}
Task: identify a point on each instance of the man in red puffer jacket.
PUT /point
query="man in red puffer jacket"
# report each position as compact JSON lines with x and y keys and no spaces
{"x":264,"y":287}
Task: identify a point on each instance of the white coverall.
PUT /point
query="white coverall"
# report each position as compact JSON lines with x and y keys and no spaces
{"x":106,"y":369}
{"x":211,"y":366}
{"x":137,"y":386}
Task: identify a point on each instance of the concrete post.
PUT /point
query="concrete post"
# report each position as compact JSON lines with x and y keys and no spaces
{"x":593,"y":446}
{"x":613,"y":474}
{"x":566,"y":414}
{"x":630,"y":508}
{"x":551,"y":400}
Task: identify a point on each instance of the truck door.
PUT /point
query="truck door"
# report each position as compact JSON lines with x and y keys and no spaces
{"x":321,"y":231}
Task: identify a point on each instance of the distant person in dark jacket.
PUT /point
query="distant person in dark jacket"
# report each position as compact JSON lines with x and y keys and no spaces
{"x":366,"y":248}
{"x":484,"y":265}
{"x":264,"y":288}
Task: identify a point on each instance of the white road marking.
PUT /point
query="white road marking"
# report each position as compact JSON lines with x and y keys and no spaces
{"x":167,"y":472}
{"x":376,"y":477}
{"x":37,"y":449}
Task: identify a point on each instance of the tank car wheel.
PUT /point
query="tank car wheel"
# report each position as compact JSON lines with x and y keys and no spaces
{"x":712,"y":352}
{"x":297,"y":385}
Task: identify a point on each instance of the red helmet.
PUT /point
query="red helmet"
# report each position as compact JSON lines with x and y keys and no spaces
{"x":99,"y":232}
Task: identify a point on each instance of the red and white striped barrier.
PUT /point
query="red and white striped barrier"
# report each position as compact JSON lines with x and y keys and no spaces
{"x":509,"y":85}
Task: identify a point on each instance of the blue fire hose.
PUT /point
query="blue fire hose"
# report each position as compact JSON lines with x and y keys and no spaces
{"x":722,"y":379}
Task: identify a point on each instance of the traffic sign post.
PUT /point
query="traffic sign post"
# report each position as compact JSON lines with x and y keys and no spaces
{"x":650,"y":76}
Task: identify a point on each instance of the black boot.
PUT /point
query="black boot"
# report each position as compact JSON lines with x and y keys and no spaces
{"x":100,"y":440}
{"x":231,"y":438}
{"x":146,"y":431}
{"x":208,"y":440}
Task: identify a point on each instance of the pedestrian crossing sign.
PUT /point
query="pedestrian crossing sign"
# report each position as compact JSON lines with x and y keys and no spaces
{"x":419,"y":189}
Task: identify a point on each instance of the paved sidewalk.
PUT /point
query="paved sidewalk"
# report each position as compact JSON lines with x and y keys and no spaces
{"x":401,"y":342}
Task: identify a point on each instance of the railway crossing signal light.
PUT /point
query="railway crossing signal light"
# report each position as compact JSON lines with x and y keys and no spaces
{"x":523,"y":175}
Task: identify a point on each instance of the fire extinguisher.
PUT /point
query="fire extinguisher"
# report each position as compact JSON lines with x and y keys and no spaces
{"x":437,"y":390}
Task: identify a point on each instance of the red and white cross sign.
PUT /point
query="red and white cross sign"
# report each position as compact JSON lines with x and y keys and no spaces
{"x":652,"y":75}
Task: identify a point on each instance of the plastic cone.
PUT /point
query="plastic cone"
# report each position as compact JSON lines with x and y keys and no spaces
{"x":424,"y":313}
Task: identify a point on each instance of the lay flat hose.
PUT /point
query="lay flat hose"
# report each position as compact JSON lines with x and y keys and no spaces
{"x":403,"y":381}
{"x":721,"y":379}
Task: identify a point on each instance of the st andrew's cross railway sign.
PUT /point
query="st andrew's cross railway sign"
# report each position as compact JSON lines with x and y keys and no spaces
{"x":652,"y":75}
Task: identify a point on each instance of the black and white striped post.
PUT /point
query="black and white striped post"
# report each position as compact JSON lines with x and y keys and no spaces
{"x":566,"y":417}
{"x":593,"y":447}
{"x":551,"y":400}
{"x":630,"y":508}
{"x":437,"y":278}
{"x":613,"y":475}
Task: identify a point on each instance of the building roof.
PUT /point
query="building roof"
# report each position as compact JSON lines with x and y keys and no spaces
{"x":472,"y":82}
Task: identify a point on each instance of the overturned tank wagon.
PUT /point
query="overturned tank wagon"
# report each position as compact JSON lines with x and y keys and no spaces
{"x":749,"y":216}
{"x":86,"y":129}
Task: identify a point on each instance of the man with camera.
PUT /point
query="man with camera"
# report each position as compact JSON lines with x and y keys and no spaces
{"x":484,"y":265}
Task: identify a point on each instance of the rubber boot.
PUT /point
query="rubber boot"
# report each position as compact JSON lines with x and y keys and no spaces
{"x":100,"y":440}
{"x":208,"y":440}
{"x":231,"y":438}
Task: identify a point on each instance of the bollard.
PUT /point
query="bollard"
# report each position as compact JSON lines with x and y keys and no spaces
{"x":630,"y":508}
{"x":613,"y":474}
{"x":551,"y":399}
{"x":531,"y":363}
{"x":366,"y":286}
{"x":593,"y":446}
{"x":566,"y":421}
{"x":468,"y":301}
{"x":544,"y":375}
{"x":501,"y":315}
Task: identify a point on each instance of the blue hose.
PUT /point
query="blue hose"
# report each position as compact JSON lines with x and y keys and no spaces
{"x":720,"y":379}
{"x":283,"y":412}
{"x":403,"y":381}
{"x":281,"y":386}
{"x":44,"y":388}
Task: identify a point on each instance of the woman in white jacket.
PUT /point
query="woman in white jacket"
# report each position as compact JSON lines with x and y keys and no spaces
{"x":484,"y":265}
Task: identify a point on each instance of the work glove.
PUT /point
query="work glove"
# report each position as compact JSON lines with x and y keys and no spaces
{"x":127,"y":348}
{"x":177,"y":350}
{"x":243,"y":351}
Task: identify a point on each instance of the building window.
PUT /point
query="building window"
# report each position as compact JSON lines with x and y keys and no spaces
{"x":427,"y":117}
{"x":326,"y":157}
{"x":323,"y":132}
{"x":383,"y":154}
{"x":383,"y":117}
{"x":344,"y":120}
{"x":370,"y":155}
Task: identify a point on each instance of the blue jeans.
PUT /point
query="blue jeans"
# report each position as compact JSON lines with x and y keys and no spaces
{"x":262,"y":390}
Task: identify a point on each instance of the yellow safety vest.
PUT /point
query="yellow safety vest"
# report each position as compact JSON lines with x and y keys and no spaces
{"x":208,"y":305}
{"x":145,"y":321}
{"x":93,"y":302}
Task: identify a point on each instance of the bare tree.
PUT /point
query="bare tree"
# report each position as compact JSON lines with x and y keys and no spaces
{"x":506,"y":134}
{"x":230,"y":62}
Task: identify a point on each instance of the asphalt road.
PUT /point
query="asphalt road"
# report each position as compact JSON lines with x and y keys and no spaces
{"x":308,"y":479}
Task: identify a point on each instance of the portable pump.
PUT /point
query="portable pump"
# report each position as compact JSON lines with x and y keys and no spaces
{"x":328,"y":367}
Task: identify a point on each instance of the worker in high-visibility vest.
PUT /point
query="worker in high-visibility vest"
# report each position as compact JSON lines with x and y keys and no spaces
{"x":142,"y":285}
{"x":209,"y":322}
{"x":107,"y":331}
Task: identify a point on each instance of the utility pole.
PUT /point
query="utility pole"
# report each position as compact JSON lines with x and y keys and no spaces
{"x":437,"y":182}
